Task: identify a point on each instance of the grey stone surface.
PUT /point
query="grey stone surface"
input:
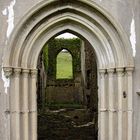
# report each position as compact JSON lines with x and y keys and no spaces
{"x":122,"y":10}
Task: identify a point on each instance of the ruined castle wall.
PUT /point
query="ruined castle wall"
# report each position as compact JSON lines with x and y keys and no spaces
{"x":126,"y":12}
{"x":64,"y":90}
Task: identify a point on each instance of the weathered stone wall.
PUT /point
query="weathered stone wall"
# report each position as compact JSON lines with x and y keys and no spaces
{"x":126,"y":12}
{"x":41,"y":81}
{"x":84,"y":83}
{"x":64,"y":90}
{"x":67,"y":92}
{"x":55,"y":46}
{"x":90,"y":85}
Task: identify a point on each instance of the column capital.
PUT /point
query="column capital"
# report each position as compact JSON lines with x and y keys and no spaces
{"x":7,"y":71}
{"x":129,"y":69}
{"x":25,"y":72}
{"x":102,"y":71}
{"x":34,"y":73}
{"x":17,"y":71}
{"x":111,"y":70}
{"x":120,"y":69}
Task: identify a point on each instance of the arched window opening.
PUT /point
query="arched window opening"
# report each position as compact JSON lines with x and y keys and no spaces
{"x":64,"y":68}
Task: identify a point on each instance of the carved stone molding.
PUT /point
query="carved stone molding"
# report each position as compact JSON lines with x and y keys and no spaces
{"x":102,"y":71}
{"x":7,"y":71}
{"x":111,"y":70}
{"x":17,"y":72}
{"x":25,"y":72}
{"x":34,"y":73}
{"x":129,"y":70}
{"x":120,"y":71}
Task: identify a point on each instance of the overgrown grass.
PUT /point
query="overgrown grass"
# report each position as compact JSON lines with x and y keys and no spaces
{"x":64,"y":66}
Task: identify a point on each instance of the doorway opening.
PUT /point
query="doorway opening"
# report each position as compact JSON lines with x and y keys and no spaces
{"x":64,"y":68}
{"x":67,"y":90}
{"x":114,"y":57}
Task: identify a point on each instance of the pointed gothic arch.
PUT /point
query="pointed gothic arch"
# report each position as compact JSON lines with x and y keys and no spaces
{"x":114,"y":58}
{"x":59,"y":65}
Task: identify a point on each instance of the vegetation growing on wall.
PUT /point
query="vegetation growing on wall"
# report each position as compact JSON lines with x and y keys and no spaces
{"x":52,"y":49}
{"x":45,"y":57}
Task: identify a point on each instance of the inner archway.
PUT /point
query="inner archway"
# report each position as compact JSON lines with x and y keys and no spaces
{"x":114,"y":61}
{"x":67,"y":105}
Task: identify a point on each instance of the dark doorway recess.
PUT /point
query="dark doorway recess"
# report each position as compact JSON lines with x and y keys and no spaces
{"x":67,"y":107}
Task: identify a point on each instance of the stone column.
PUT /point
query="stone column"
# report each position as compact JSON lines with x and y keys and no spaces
{"x":24,"y":105}
{"x":14,"y":102}
{"x":111,"y":103}
{"x":33,"y":106}
{"x":103,"y":109}
{"x":120,"y":104}
{"x":130,"y":101}
{"x":14,"y":105}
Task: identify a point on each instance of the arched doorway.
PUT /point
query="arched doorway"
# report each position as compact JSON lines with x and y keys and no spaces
{"x":114,"y":60}
{"x":71,"y":102}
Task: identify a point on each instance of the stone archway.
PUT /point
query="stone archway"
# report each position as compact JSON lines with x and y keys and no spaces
{"x":114,"y":58}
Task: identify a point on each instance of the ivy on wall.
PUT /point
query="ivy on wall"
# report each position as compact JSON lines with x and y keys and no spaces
{"x":45,"y":57}
{"x":56,"y":45}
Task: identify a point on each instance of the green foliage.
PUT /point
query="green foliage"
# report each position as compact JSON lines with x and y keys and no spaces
{"x":64,"y":66}
{"x":52,"y":49}
{"x":45,"y":56}
{"x":65,"y":43}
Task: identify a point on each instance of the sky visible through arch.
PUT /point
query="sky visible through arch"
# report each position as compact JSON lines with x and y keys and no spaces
{"x":66,"y":35}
